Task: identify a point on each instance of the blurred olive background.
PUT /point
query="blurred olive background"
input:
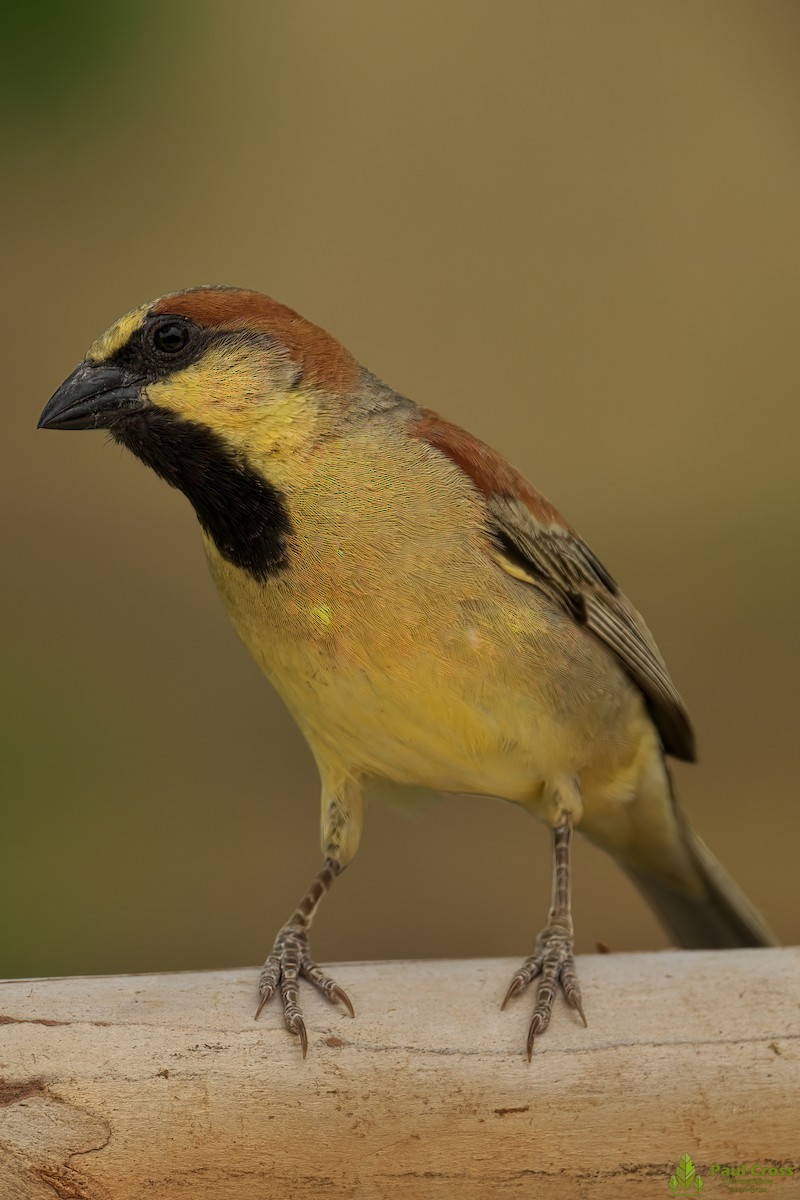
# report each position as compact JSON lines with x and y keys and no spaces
{"x":571,"y":227}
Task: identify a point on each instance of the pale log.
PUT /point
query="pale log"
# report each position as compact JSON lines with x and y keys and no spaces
{"x":162,"y":1086}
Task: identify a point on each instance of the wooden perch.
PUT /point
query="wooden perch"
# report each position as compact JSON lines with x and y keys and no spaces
{"x":162,"y":1086}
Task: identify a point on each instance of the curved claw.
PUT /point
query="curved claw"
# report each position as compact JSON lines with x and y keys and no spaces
{"x":338,"y":993}
{"x":266,"y":995}
{"x":298,"y":1027}
{"x":514,"y":989}
{"x":528,"y":971}
{"x":538,"y":1025}
{"x":575,"y":1000}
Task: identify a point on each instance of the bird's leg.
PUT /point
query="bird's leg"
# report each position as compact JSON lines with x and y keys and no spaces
{"x":553,"y":958}
{"x":289,"y":960}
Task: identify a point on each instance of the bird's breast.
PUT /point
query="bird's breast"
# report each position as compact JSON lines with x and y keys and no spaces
{"x":404,"y":652}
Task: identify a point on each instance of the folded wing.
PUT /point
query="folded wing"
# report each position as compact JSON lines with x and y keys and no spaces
{"x":533,"y":543}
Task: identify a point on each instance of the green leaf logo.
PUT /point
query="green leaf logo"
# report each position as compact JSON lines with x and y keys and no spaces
{"x":685,"y":1177}
{"x":685,"y":1172}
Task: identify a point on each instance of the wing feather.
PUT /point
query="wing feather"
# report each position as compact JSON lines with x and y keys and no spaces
{"x":550,"y":556}
{"x":533,"y":543}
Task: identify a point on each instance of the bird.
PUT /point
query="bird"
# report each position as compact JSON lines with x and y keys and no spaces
{"x":426,"y":614}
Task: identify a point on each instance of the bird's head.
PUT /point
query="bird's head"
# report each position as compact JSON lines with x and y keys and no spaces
{"x":232,"y":360}
{"x":220,"y":391}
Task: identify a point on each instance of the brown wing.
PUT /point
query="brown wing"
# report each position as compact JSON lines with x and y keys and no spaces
{"x":534,"y":543}
{"x":559,"y":563}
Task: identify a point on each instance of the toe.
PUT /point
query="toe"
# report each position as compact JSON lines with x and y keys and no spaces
{"x":329,"y":988}
{"x":528,"y":971}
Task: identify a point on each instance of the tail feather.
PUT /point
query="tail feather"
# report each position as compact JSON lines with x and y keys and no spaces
{"x":721,"y":919}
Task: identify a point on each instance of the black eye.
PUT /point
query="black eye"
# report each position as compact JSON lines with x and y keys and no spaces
{"x":170,"y":337}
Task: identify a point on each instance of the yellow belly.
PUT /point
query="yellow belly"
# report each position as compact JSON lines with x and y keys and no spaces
{"x":445,"y":689}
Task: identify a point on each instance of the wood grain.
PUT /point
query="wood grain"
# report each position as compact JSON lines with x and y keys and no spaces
{"x":130,"y":1087}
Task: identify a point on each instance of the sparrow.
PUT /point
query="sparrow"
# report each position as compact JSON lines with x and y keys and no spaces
{"x":426,"y":614}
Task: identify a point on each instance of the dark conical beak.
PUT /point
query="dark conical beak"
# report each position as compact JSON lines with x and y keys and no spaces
{"x":94,"y":396}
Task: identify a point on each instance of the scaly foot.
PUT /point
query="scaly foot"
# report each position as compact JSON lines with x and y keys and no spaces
{"x":553,"y":960}
{"x":288,"y":961}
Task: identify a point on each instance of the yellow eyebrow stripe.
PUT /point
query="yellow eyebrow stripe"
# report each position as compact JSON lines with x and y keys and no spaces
{"x":116,"y":337}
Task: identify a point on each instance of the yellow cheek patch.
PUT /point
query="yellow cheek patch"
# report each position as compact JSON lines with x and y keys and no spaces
{"x":220,"y":390}
{"x":234,"y":395}
{"x":116,"y":337}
